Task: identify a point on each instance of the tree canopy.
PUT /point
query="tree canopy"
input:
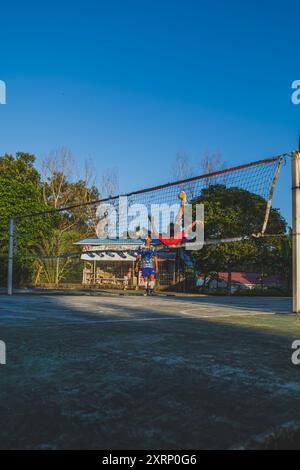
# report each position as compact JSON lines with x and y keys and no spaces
{"x":23,"y":192}
{"x":234,"y":212}
{"x":20,"y":193}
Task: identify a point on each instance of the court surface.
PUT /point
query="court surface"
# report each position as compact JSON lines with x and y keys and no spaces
{"x":128,"y":372}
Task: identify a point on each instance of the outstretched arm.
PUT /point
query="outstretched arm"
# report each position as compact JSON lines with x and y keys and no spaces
{"x":180,"y":213}
{"x":192,"y":225}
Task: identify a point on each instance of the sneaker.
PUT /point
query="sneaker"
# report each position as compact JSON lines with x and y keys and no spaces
{"x":151,"y":292}
{"x":146,"y":293}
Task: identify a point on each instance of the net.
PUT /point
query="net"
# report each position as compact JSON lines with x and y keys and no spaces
{"x":237,"y":205}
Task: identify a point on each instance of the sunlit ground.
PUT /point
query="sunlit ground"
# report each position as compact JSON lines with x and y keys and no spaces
{"x":131,"y":372}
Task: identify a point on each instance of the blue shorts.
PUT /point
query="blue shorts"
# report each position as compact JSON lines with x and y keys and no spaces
{"x":146,"y":272}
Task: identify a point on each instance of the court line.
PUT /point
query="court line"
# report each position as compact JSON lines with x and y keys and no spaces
{"x":183,"y":316}
{"x":195,"y":306}
{"x":218,"y":315}
{"x":94,"y":322}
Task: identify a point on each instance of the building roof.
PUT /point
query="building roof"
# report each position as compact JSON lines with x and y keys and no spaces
{"x":114,"y":241}
{"x":120,"y":256}
{"x":247,"y":278}
{"x":107,"y":256}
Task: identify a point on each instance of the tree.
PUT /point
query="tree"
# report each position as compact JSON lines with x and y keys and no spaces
{"x":44,"y":238}
{"x":234,"y":212}
{"x":20,"y":194}
{"x":57,"y":168}
{"x":181,"y":168}
{"x":53,"y":269}
{"x":110,"y":183}
{"x":68,"y":226}
{"x":211,"y":162}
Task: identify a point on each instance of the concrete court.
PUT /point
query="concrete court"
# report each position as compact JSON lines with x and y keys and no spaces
{"x":128,"y":372}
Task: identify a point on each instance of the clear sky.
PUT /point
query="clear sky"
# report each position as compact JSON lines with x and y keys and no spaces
{"x":132,"y":82}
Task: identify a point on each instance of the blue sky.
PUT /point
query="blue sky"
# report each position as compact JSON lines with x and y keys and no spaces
{"x":131,"y":83}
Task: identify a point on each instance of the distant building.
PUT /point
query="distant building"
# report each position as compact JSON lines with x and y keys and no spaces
{"x":106,"y":262}
{"x":242,"y":280}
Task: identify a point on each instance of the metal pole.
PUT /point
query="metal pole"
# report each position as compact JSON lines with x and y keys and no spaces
{"x":296,"y":229}
{"x":10,"y":256}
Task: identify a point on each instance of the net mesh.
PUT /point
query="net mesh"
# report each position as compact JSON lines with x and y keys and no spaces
{"x":55,"y":255}
{"x":255,"y":179}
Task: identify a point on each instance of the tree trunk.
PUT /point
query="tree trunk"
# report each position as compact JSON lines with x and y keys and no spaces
{"x":229,"y":283}
{"x":57,"y":273}
{"x":37,"y":277}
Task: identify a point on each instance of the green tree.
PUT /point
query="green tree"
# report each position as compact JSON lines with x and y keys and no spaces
{"x":234,"y":212}
{"x":70,"y":225}
{"x":20,"y":193}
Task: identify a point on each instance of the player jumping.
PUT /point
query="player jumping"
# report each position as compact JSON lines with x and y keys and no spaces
{"x":146,"y":260}
{"x":176,"y":235}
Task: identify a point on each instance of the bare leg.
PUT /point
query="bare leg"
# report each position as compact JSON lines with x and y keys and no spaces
{"x":151,"y":284}
{"x":146,"y":286}
{"x":179,"y":216}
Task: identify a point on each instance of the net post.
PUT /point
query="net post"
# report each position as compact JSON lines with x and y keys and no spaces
{"x":296,"y":229}
{"x":10,"y":256}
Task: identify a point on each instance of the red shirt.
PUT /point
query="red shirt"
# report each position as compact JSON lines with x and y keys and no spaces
{"x":177,"y":240}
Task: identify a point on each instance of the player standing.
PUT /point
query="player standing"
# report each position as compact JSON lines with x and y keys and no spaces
{"x":146,"y":260}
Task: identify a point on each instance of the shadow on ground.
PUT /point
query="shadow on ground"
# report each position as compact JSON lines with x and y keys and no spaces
{"x":99,"y":373}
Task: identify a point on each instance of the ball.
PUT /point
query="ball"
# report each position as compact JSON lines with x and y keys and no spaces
{"x":182,"y":195}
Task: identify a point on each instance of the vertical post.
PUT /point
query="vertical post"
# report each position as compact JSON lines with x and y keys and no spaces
{"x":296,"y":229}
{"x":10,"y":256}
{"x":132,"y":276}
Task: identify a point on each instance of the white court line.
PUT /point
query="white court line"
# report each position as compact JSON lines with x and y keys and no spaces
{"x":80,"y":322}
{"x":137,"y":319}
{"x":196,"y":307}
{"x":131,"y":320}
{"x":217,"y":315}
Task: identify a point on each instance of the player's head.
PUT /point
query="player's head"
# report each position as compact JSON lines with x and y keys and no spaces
{"x":148,"y":239}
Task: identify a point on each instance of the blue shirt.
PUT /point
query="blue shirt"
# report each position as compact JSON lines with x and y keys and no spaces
{"x":147,"y":254}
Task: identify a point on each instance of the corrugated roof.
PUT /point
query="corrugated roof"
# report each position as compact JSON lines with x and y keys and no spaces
{"x":114,"y":241}
{"x":250,"y":278}
{"x":107,"y":256}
